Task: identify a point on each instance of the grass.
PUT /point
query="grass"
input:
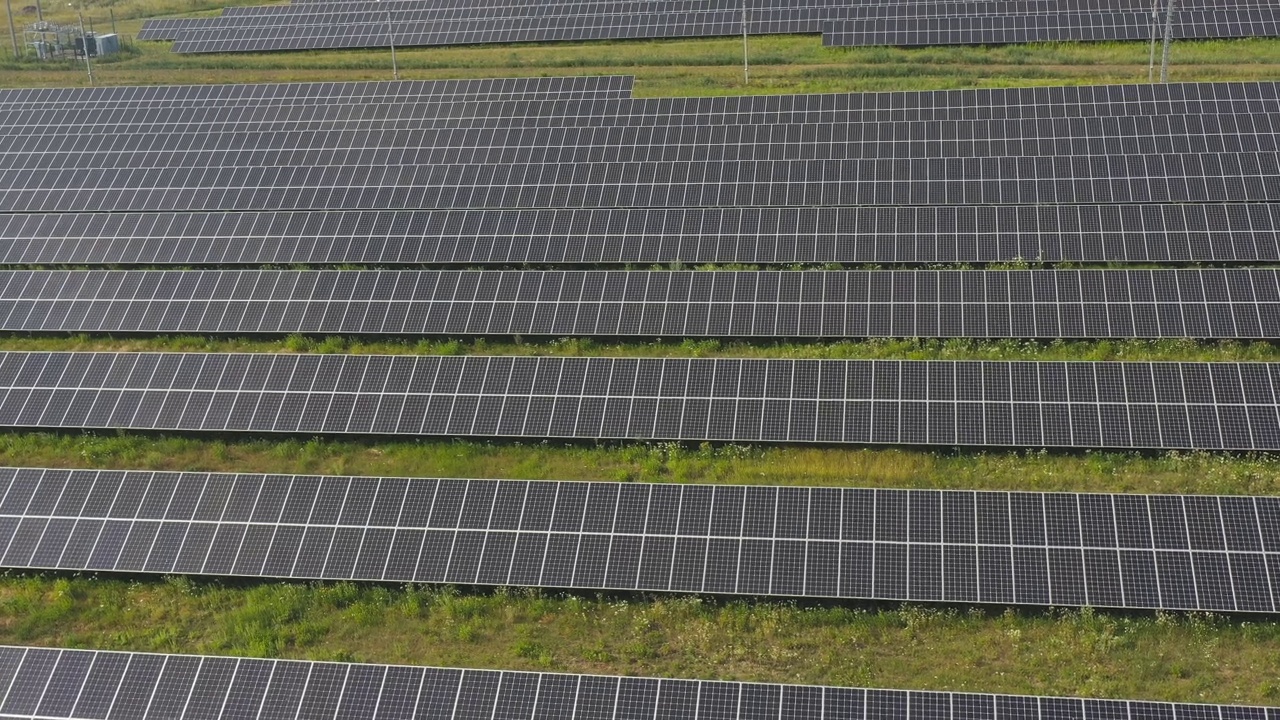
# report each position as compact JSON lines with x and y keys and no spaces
{"x":779,"y":63}
{"x":1182,"y":350}
{"x":1176,"y":472}
{"x":1190,"y":658}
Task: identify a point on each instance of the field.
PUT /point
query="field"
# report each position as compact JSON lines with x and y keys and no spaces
{"x":1179,"y":657}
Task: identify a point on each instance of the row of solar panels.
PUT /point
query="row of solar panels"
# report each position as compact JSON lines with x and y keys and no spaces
{"x":936,"y":234}
{"x":1131,"y":551}
{"x":1003,"y":404}
{"x":57,"y":101}
{"x":143,"y":149}
{"x":165,"y":158}
{"x":314,"y":26}
{"x":82,"y":684}
{"x":426,"y":9}
{"x":565,"y":101}
{"x":569,"y":18}
{"x":1107,"y":179}
{"x":1232,"y":304}
{"x":981,"y":30}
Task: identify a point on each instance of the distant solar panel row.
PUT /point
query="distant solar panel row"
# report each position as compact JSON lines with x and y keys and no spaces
{"x":1081,"y":233}
{"x":1132,"y":551}
{"x":59,"y":101}
{"x":1005,"y":29}
{"x":312,"y":107}
{"x":403,"y":144}
{"x":405,"y":16}
{"x":1039,"y":304}
{"x":83,"y":684}
{"x":1219,"y":177}
{"x":1046,"y":404}
{"x":428,"y":8}
{"x":312,"y":26}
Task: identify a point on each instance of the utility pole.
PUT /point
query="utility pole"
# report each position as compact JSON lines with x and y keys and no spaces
{"x":391,"y":38}
{"x":1155,"y":20}
{"x":746,"y":73}
{"x":1168,"y":38}
{"x":84,"y":44}
{"x":13,"y":34}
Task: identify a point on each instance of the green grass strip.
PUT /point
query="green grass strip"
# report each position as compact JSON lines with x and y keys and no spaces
{"x":1177,"y":472}
{"x":1181,"y":350}
{"x":1177,"y":657}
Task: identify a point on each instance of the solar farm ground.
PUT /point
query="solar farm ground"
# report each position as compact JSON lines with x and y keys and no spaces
{"x":1167,"y":656}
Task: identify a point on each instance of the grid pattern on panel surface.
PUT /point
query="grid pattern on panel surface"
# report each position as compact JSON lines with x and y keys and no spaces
{"x":1001,"y":29}
{"x":1026,"y":404}
{"x":1091,"y":139}
{"x":1082,"y":233}
{"x":918,"y":303}
{"x":82,"y":684}
{"x":60,"y":104}
{"x":247,"y":108}
{"x":1107,"y":179}
{"x":1131,"y":551}
{"x":331,"y":25}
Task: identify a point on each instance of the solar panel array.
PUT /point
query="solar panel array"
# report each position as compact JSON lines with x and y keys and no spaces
{"x":992,"y":403}
{"x":1170,"y":233}
{"x":915,"y":303}
{"x":314,"y":25}
{"x":52,"y":683}
{"x":1007,"y":29}
{"x":1132,"y":551}
{"x":51,"y":107}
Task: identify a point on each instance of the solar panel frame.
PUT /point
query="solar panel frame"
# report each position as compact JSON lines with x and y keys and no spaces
{"x":316,"y":108}
{"x":97,"y":683}
{"x":1146,"y":552}
{"x":405,"y":144}
{"x":1105,"y":179}
{"x":1006,"y":29}
{"x":937,"y":234}
{"x":163,"y":96}
{"x":316,"y":26}
{"x":1229,"y":406}
{"x":1193,"y":303}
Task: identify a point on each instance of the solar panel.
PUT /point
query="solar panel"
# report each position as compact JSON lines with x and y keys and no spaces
{"x":1231,"y":304}
{"x":333,"y":25}
{"x":991,"y":403}
{"x":407,"y":145}
{"x":1088,"y":179}
{"x":936,"y":234}
{"x":58,"y":102}
{"x":1004,"y":29}
{"x":1128,"y":551}
{"x":53,"y":683}
{"x":262,"y":109}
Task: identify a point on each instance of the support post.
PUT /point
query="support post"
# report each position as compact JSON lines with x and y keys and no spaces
{"x":1155,"y":20}
{"x":391,"y":38}
{"x":1168,"y":38}
{"x":84,"y":45}
{"x":746,"y":73}
{"x":13,"y":34}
